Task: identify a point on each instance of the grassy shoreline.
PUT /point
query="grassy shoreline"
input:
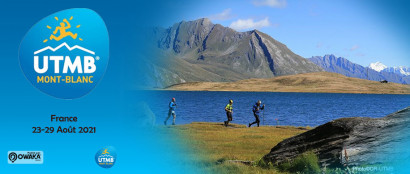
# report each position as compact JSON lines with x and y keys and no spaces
{"x":216,"y":148}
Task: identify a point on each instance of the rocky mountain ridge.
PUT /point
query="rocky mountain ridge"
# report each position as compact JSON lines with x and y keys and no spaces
{"x":331,"y":63}
{"x":202,"y":51}
{"x":401,"y":70}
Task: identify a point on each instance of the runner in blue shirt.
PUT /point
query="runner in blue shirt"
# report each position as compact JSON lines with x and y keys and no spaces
{"x":171,"y":111}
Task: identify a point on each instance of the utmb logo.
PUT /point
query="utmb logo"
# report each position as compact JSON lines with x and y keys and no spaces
{"x":66,"y":54}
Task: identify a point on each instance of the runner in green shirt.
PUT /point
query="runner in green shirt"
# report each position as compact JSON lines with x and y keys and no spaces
{"x":229,"y":110}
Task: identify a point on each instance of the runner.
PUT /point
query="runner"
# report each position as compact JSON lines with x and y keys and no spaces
{"x":171,"y":111}
{"x":63,"y":33}
{"x":229,"y":110}
{"x":256,"y":108}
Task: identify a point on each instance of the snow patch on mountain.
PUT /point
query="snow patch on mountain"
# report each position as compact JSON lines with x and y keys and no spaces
{"x":399,"y":70}
{"x":377,"y":66}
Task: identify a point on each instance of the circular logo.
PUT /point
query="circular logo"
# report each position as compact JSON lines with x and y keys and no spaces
{"x":106,"y":157}
{"x":12,"y":157}
{"x":65,"y":54}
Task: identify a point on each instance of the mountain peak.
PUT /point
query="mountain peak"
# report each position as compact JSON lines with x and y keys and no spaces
{"x":205,"y":19}
{"x":202,"y":21}
{"x":377,"y":66}
{"x":330,"y":56}
{"x":217,"y":53}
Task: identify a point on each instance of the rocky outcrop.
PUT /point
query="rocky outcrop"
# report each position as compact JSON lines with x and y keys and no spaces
{"x":350,"y":141}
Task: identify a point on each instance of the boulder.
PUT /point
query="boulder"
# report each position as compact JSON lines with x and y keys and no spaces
{"x":350,"y":141}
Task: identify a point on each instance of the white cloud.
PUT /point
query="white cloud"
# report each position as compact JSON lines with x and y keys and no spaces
{"x":354,"y":47}
{"x":224,"y":15}
{"x":244,"y":24}
{"x":271,"y":3}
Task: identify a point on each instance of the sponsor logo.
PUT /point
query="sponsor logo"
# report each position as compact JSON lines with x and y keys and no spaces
{"x":25,"y":157}
{"x":106,"y":157}
{"x":65,"y":54}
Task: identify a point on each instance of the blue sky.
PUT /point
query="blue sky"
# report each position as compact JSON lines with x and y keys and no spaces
{"x":337,"y":26}
{"x":362,"y":31}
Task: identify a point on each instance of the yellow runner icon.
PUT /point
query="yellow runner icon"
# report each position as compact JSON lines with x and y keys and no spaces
{"x":63,"y":33}
{"x":105,"y":152}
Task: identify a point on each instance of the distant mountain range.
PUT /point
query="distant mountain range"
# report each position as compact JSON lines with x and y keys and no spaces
{"x":375,"y":71}
{"x":402,"y":70}
{"x":202,"y":51}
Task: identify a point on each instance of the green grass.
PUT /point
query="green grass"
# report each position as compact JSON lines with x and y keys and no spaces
{"x":306,"y":163}
{"x":213,"y":145}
